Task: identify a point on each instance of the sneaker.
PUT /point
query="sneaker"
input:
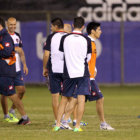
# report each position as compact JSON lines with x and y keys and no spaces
{"x":139,"y":116}
{"x":105,"y":126}
{"x":24,"y":122}
{"x":56,"y":128}
{"x":13,"y":117}
{"x":9,"y":120}
{"x":81,"y":123}
{"x":77,"y":129}
{"x":66,"y":126}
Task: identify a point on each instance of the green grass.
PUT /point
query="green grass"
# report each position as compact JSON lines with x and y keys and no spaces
{"x":121,"y":107}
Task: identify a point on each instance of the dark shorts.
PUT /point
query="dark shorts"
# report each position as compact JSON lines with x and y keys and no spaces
{"x":7,"y":86}
{"x":76,"y":86}
{"x":55,"y":82}
{"x":95,"y":93}
{"x":18,"y":81}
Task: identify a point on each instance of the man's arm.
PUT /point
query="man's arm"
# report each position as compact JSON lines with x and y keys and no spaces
{"x":23,"y":60}
{"x":45,"y":61}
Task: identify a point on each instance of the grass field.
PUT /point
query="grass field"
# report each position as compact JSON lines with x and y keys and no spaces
{"x":122,"y":106}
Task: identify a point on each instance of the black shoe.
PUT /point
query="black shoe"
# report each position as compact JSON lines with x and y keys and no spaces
{"x":24,"y":122}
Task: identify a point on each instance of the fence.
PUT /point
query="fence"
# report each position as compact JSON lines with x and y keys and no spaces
{"x":118,"y":48}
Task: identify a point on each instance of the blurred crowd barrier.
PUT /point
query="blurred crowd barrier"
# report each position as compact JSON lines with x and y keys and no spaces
{"x":118,"y":49}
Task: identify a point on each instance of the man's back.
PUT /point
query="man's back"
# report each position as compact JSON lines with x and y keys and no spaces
{"x":56,"y":61}
{"x":6,"y":69}
{"x":76,"y":47}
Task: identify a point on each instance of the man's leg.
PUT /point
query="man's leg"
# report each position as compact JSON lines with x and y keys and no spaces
{"x":18,"y":103}
{"x":61,"y":109}
{"x":100,"y":112}
{"x":100,"y":109}
{"x":20,"y":90}
{"x":70,"y":108}
{"x":80,"y":109}
{"x":75,"y":113}
{"x":4,"y":104}
{"x":55,"y":104}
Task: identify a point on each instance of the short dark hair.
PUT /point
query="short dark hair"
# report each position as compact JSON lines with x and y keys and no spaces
{"x":58,"y":21}
{"x":2,"y":22}
{"x":92,"y":26}
{"x":78,"y":22}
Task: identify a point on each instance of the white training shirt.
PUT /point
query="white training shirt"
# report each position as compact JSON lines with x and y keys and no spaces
{"x":76,"y":47}
{"x":56,"y":57}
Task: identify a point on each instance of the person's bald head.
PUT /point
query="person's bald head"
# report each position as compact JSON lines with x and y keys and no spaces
{"x":11,"y":24}
{"x":67,"y":28}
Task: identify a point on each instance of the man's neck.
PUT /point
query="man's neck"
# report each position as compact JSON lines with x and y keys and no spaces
{"x":77,"y":29}
{"x":11,"y":32}
{"x":92,"y":36}
{"x":60,"y":30}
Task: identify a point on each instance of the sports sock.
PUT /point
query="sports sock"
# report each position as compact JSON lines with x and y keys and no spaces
{"x":6,"y":116}
{"x":24,"y":117}
{"x":12,"y":111}
{"x":103,"y":123}
{"x":74,"y":121}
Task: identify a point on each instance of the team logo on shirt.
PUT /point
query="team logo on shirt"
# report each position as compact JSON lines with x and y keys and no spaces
{"x":17,"y":40}
{"x":11,"y":87}
{"x":93,"y":93}
{"x":7,"y":44}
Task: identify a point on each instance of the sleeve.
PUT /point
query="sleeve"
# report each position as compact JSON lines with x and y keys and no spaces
{"x":89,"y":50}
{"x":61,"y":47}
{"x":47,"y":44}
{"x":8,"y":48}
{"x":20,"y":41}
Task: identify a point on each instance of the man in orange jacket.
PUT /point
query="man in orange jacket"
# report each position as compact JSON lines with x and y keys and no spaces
{"x":94,"y":32}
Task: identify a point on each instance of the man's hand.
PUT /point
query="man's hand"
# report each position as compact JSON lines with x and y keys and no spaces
{"x":45,"y":72}
{"x":25,"y":69}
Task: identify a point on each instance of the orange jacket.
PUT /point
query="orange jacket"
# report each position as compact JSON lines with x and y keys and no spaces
{"x":92,"y":62}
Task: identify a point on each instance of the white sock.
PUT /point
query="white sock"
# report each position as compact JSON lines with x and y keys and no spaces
{"x":6,"y":116}
{"x":12,"y":111}
{"x":24,"y":117}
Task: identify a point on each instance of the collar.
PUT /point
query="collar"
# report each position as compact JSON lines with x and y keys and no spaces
{"x":92,"y":39}
{"x":77,"y":32}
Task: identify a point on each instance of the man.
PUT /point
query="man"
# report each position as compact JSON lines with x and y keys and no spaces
{"x":94,"y":32}
{"x":68,"y":29}
{"x":76,"y":48}
{"x":53,"y":58}
{"x":8,"y":73}
{"x":18,"y":81}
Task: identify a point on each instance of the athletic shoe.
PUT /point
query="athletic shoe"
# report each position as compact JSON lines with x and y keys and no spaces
{"x":105,"y":126}
{"x":66,"y":125}
{"x":81,"y":123}
{"x":24,"y":122}
{"x":13,"y":117}
{"x":56,"y":128}
{"x":77,"y":129}
{"x":138,"y":116}
{"x":9,"y":120}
